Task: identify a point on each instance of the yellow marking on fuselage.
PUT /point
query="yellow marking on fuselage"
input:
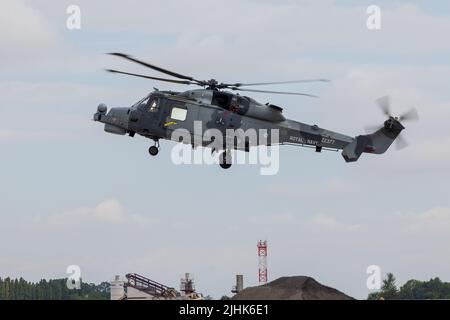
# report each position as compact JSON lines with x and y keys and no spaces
{"x":169,"y":123}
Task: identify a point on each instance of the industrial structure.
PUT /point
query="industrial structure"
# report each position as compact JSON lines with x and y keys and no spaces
{"x":187,"y":288}
{"x":239,"y":284}
{"x":117,"y":288}
{"x":149,"y":287}
{"x":262,"y":262}
{"x":187,"y":284}
{"x":138,"y":287}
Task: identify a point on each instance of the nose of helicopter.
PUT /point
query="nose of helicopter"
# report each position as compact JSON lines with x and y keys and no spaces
{"x":115,"y":118}
{"x":119,"y":117}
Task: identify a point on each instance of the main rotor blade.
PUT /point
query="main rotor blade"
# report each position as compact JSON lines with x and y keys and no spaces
{"x":149,"y":77}
{"x":148,"y":65}
{"x":385,"y":104}
{"x":275,"y":92}
{"x":237,"y":85}
{"x":410,"y":115}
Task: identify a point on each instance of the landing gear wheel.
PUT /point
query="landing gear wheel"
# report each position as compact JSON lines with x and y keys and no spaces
{"x":225,"y":160}
{"x":225,"y":166}
{"x":153,"y":150}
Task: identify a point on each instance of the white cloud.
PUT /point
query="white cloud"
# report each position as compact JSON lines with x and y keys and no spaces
{"x":109,"y":211}
{"x":317,"y":221}
{"x":432,"y":221}
{"x":301,"y":26}
{"x":326,"y":221}
{"x":24,"y":33}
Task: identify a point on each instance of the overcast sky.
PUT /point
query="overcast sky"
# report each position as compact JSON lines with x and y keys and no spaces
{"x":72,"y":194}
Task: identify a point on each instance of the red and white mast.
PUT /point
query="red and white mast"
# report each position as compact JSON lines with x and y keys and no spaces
{"x":262,"y":262}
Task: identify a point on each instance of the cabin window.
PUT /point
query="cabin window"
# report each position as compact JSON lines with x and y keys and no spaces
{"x":178,"y":114}
{"x":221,"y":99}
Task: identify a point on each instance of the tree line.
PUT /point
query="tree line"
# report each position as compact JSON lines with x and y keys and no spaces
{"x":56,"y":289}
{"x":412,"y":289}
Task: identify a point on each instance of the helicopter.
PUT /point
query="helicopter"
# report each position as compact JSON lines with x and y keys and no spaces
{"x":216,"y":106}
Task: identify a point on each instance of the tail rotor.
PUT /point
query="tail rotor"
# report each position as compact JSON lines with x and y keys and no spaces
{"x":394,"y":123}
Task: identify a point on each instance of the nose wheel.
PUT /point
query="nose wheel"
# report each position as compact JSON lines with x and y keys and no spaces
{"x":225,"y":160}
{"x":153,"y":150}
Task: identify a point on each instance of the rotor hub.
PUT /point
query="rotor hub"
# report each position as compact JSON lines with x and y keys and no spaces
{"x":212,"y":84}
{"x":393,"y":124}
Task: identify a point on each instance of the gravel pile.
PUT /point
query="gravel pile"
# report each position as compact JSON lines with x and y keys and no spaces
{"x":291,"y":288}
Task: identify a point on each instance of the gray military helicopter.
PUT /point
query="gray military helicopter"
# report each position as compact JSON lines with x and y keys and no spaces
{"x":159,"y":114}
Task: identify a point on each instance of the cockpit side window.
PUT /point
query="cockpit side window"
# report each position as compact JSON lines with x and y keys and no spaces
{"x":149,"y":104}
{"x":140,"y":102}
{"x":153,"y":105}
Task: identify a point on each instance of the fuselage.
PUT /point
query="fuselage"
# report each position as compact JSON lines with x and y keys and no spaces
{"x":163,"y":113}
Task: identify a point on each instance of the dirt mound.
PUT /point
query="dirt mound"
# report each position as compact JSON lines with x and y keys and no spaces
{"x":291,"y":288}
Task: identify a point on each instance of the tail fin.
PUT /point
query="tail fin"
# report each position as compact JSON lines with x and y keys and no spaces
{"x":377,"y":142}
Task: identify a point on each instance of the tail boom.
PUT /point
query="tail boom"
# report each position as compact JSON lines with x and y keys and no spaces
{"x":377,"y":142}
